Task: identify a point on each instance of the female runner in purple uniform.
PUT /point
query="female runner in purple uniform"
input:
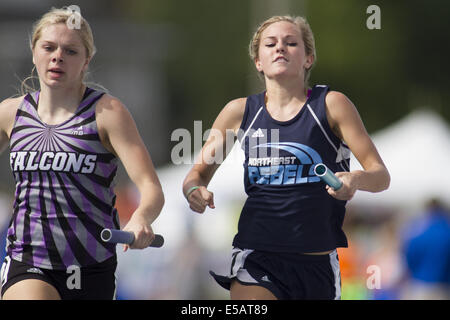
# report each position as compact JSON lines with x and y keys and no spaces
{"x":65,"y":140}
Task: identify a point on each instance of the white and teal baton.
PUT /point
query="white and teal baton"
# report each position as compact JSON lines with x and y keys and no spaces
{"x":327,"y":176}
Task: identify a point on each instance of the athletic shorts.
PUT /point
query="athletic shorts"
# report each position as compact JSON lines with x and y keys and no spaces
{"x":95,"y":282}
{"x":289,"y":276}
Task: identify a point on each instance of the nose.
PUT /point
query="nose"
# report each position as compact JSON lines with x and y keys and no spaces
{"x":57,"y":56}
{"x":280,"y":47}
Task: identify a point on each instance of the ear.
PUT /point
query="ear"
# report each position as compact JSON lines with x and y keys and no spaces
{"x":86,"y":64}
{"x":258,"y":65}
{"x":309,"y":62}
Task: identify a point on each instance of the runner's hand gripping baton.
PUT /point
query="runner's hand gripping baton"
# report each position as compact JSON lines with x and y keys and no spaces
{"x":126,"y":237}
{"x":327,"y":176}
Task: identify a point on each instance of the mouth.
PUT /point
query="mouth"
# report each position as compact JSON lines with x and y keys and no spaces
{"x":56,"y":71}
{"x":280,"y":58}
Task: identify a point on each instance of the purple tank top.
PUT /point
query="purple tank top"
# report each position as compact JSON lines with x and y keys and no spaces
{"x":64,"y":188}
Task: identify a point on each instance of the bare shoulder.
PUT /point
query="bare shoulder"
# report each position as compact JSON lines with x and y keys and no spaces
{"x":113,"y":119}
{"x":339,"y":108}
{"x":110,"y":104}
{"x":336,"y":100}
{"x":111,"y":113}
{"x":110,"y":110}
{"x":232,"y":114}
{"x":10,"y":105}
{"x":8,"y":110}
{"x":236,"y":105}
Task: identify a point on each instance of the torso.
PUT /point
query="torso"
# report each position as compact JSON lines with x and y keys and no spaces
{"x":283,"y":192}
{"x":64,"y":195}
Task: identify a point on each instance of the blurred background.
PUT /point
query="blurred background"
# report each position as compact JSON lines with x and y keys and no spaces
{"x":175,"y":62}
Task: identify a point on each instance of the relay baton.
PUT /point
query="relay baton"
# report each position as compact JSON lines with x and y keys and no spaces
{"x":126,"y":237}
{"x":327,"y":176}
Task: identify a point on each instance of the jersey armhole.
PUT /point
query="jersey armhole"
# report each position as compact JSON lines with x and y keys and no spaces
{"x":244,"y":121}
{"x":320,"y":116}
{"x":16,"y":118}
{"x":100,"y":140}
{"x":325,"y":120}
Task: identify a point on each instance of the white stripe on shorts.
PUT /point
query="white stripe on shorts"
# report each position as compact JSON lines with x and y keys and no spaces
{"x":115,"y":286}
{"x":5,"y":270}
{"x":337,"y":273}
{"x":237,"y":268}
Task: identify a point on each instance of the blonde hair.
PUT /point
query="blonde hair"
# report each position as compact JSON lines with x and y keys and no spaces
{"x":305,"y":30}
{"x":55,"y":16}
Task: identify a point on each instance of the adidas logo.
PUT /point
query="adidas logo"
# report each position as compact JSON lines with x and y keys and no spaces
{"x":35,"y":270}
{"x":78,"y":131}
{"x":258,"y":134}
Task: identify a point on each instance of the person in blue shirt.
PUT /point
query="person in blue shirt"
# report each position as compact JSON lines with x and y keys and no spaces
{"x":426,"y":249}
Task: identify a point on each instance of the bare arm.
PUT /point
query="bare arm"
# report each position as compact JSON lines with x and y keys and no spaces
{"x":212,"y":155}
{"x":120,"y":135}
{"x":8,"y":110}
{"x":345,"y":121}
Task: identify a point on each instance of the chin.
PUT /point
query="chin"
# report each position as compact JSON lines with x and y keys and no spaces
{"x":58,"y":84}
{"x":281,"y":74}
{"x":54,"y":84}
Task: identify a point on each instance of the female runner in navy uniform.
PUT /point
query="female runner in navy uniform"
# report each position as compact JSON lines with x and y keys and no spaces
{"x":291,"y":223}
{"x":64,"y":143}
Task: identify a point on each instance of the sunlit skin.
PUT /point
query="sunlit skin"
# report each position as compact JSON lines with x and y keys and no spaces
{"x":283,"y":60}
{"x":61,"y":60}
{"x":281,"y":54}
{"x":60,"y":57}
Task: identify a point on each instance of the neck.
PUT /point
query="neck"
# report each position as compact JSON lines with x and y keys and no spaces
{"x":67,"y":98}
{"x":281,"y":93}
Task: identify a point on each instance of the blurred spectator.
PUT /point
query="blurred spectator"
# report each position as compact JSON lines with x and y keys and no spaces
{"x":352,"y":279}
{"x":387,"y":257}
{"x":426,"y":248}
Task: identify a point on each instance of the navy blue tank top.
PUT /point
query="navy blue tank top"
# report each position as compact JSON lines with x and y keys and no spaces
{"x":288,"y":208}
